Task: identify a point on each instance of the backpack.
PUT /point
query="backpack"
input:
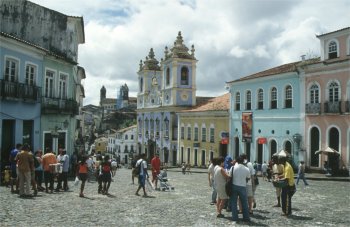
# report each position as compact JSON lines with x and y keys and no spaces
{"x":36,"y":162}
{"x":138,"y":168}
{"x":106,"y":168}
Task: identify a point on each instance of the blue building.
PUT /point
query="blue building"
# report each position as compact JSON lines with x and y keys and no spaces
{"x":265,"y":113}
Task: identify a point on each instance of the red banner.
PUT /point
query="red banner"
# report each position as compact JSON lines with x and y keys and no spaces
{"x":262,"y":140}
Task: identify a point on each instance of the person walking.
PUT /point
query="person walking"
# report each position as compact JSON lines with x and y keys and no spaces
{"x":39,"y":170}
{"x":264,"y":171}
{"x":25,"y":168}
{"x":301,"y":173}
{"x":211,"y":172}
{"x":133,"y":168}
{"x":220,"y":177}
{"x":142,"y":165}
{"x":289,"y":190}
{"x":241,"y":175}
{"x":277,"y":172}
{"x":155,"y":165}
{"x":106,"y":167}
{"x":48,"y":159}
{"x":82,"y":173}
{"x":13,"y":162}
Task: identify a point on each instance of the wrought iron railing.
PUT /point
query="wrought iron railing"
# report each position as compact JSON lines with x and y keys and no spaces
{"x":332,"y":107}
{"x":57,"y":105}
{"x":21,"y":91}
{"x":313,"y":108}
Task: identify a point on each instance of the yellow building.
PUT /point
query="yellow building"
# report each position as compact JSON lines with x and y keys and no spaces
{"x":101,"y":145}
{"x":203,"y":131}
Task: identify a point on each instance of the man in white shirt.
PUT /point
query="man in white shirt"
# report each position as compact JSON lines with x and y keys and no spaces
{"x":211,"y":180}
{"x":241,"y":175}
{"x":142,"y":164}
{"x":250,"y":183}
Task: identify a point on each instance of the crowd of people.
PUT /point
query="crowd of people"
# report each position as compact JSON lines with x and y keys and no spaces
{"x":39,"y":172}
{"x":245,"y":182}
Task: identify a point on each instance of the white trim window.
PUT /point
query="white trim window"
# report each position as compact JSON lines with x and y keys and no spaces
{"x":212,"y":135}
{"x":289,"y":97}
{"x":182,"y":132}
{"x":62,"y":86}
{"x":314,"y":93}
{"x":238,"y":101}
{"x":30,"y":74}
{"x":189,"y":134}
{"x":11,"y":70}
{"x":333,"y":92}
{"x":204,"y":134}
{"x":248,"y":100}
{"x":49,"y":84}
{"x":332,"y":50}
{"x":196,"y":133}
{"x":260,"y":99}
{"x":273,"y":98}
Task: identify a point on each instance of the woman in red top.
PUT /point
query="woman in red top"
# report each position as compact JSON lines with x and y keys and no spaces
{"x":82,"y":171}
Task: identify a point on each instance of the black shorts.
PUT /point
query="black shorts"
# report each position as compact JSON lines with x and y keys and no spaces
{"x":13,"y":173}
{"x":106,"y":177}
{"x":83,"y":176}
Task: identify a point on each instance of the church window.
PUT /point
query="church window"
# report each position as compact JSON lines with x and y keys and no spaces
{"x":167,"y":81}
{"x":184,"y":76}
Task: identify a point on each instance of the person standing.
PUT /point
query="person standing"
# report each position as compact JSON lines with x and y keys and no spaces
{"x":289,"y":190}
{"x":264,"y":171}
{"x":39,"y":170}
{"x":220,"y":177}
{"x":91,"y":167}
{"x":49,"y":158}
{"x":133,"y":170}
{"x":106,"y":168}
{"x":277,"y":172}
{"x":155,"y":164}
{"x":82,"y":173}
{"x":63,"y":159}
{"x":250,"y":183}
{"x":241,"y":175}
{"x":142,"y":164}
{"x":25,"y":168}
{"x":13,"y":162}
{"x":211,"y":172}
{"x":301,"y":173}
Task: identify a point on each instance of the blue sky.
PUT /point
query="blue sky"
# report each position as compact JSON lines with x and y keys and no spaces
{"x":232,"y":38}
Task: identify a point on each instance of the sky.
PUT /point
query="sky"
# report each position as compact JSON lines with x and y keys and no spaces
{"x":232,"y":38}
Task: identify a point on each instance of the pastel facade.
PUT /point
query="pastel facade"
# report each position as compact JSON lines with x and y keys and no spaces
{"x":204,"y":131}
{"x":327,"y":109}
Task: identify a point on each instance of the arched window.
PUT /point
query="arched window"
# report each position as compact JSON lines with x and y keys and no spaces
{"x":332,"y":50}
{"x":238,"y":101}
{"x":167,"y":79}
{"x":333,"y":92}
{"x":184,"y":76}
{"x":288,"y":97}
{"x":260,"y":99}
{"x":248,"y":100}
{"x":273,"y":104}
{"x":126,"y":136}
{"x":141,"y":84}
{"x":314,"y":93}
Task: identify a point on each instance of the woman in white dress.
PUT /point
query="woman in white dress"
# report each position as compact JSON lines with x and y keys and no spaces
{"x":220,"y":177}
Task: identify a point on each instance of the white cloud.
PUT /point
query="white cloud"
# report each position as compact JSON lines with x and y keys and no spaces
{"x":232,"y":38}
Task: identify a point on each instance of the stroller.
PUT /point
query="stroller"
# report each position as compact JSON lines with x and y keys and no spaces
{"x":163,"y":181}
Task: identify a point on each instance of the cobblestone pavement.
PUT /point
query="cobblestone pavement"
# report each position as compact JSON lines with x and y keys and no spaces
{"x":323,"y":203}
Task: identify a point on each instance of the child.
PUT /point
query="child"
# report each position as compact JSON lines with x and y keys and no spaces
{"x":82,"y":172}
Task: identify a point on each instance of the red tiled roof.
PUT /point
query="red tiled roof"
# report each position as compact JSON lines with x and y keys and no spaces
{"x":290,"y":67}
{"x":214,"y":104}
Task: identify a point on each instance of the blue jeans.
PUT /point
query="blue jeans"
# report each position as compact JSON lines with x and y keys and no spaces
{"x":242,"y":193}
{"x":302,"y":176}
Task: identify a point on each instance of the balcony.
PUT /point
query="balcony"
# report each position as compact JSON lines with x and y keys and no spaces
{"x":19,"y":91}
{"x":332,"y":107}
{"x":313,"y":108}
{"x":347,"y":107}
{"x":56,"y":105}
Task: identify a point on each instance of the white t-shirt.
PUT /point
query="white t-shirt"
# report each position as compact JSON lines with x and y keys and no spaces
{"x":264,"y":168}
{"x":252,"y":172}
{"x":240,"y":174}
{"x":114,"y":163}
{"x":211,"y":171}
{"x":144,"y":165}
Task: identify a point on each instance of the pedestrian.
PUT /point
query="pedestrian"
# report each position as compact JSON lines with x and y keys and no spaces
{"x":48,"y":159}
{"x":25,"y":168}
{"x":32,"y":173}
{"x":63,"y":159}
{"x":114,"y":167}
{"x":13,"y":163}
{"x":228,"y":163}
{"x":106,"y":167}
{"x":142,"y":164}
{"x":277,"y":172}
{"x":39,"y":170}
{"x":91,"y":167}
{"x":213,"y":163}
{"x":289,"y":190}
{"x":155,"y":165}
{"x":301,"y":173}
{"x":220,"y":178}
{"x":264,"y":171}
{"x":98,"y":173}
{"x":82,"y":173}
{"x":250,"y":183}
{"x":133,"y":170}
{"x":241,"y":175}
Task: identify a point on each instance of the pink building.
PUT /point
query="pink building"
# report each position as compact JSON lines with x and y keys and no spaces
{"x":327,"y":98}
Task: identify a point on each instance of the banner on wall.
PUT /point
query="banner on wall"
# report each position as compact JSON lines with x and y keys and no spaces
{"x":247,"y":125}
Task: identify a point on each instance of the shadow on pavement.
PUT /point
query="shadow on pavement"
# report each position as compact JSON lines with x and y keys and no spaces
{"x":302,"y":218}
{"x":85,"y":197}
